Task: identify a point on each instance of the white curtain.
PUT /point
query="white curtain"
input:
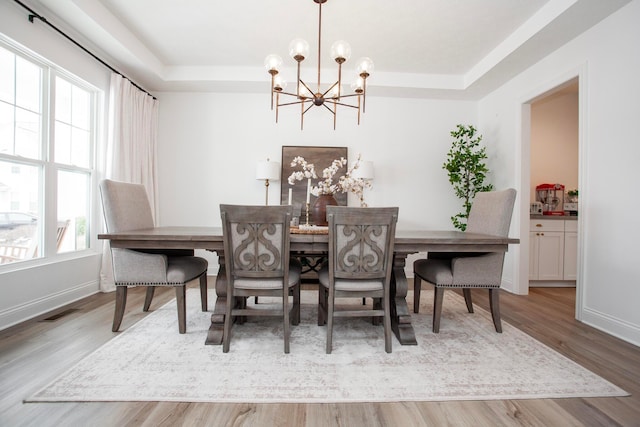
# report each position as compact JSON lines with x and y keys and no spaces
{"x":131,"y":149}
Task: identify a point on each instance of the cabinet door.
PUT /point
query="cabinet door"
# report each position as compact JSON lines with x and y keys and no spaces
{"x":570,"y":255}
{"x":533,"y":255}
{"x":550,"y":255}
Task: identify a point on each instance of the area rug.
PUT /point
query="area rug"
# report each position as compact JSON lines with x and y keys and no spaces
{"x":467,"y":360}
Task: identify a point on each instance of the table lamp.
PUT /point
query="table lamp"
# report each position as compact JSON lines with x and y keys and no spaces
{"x":267,"y":171}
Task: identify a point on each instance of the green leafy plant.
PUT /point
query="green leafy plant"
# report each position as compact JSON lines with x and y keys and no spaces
{"x":467,"y":170}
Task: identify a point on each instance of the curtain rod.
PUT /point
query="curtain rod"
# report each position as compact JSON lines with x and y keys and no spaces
{"x":33,"y":14}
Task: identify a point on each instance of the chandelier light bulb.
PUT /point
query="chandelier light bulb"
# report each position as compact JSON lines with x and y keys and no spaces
{"x":272,"y":63}
{"x":340,"y":51}
{"x":304,"y":92}
{"x":334,"y":92}
{"x":279,"y":83}
{"x":298,"y":49}
{"x":358,"y":85}
{"x":364,"y":67}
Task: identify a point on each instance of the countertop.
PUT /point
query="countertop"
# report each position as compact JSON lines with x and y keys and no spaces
{"x":554,"y":217}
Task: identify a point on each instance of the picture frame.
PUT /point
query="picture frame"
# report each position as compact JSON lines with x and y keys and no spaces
{"x":321,"y":157}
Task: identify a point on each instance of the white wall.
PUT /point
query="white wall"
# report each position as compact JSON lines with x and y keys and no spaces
{"x":34,"y":287}
{"x":554,"y":142}
{"x":210,"y":143}
{"x":607,"y":62}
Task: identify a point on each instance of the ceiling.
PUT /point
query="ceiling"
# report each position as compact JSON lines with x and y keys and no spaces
{"x":459,"y":49}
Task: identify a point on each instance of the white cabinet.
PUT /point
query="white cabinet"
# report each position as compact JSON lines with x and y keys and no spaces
{"x":553,"y":249}
{"x":570,"y":250}
{"x":546,"y":251}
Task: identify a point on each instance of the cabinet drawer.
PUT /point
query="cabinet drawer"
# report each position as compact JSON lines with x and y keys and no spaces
{"x":571,"y":226}
{"x":546,"y":225}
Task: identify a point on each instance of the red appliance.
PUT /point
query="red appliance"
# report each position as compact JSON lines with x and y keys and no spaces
{"x":552,"y":198}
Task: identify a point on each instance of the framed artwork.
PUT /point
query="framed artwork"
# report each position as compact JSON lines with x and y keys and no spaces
{"x":321,"y":157}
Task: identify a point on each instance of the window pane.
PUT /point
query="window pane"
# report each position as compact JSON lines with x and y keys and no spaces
{"x":80,"y":148}
{"x":73,"y":211}
{"x":27,"y":134}
{"x":6,"y":128}
{"x":73,"y":124}
{"x":63,"y":100}
{"x":7,"y":71}
{"x":63,"y":143}
{"x":80,"y":113}
{"x":27,"y":85}
{"x":19,"y":223}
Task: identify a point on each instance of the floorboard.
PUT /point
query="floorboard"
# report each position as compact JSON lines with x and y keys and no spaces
{"x":36,"y":351}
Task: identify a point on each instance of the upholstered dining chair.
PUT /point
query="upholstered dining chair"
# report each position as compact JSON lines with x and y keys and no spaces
{"x":257,"y":263}
{"x":359,"y":265}
{"x":490,"y":214}
{"x":126,"y":207}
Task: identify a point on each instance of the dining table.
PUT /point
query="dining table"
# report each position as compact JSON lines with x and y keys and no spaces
{"x":312,"y":244}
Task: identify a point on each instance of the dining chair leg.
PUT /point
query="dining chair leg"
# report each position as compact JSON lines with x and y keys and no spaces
{"x":182,"y":308}
{"x":494,"y":305}
{"x":148,"y":298}
{"x":467,"y":299}
{"x":417,"y":287}
{"x":228,"y":320}
{"x":121,"y":302}
{"x":330,"y":323}
{"x":387,"y":325}
{"x":296,"y":305}
{"x":285,"y":321}
{"x":322,"y":305}
{"x":204,"y":302}
{"x":437,"y":308}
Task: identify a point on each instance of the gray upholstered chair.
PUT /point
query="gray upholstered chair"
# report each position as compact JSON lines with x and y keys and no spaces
{"x":257,"y":263}
{"x":126,"y":207}
{"x":359,"y":266}
{"x":490,"y":214}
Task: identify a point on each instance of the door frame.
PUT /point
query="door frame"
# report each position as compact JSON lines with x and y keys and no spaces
{"x":524,"y":154}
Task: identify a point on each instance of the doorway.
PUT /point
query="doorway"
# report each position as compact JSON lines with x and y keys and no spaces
{"x":555,"y":160}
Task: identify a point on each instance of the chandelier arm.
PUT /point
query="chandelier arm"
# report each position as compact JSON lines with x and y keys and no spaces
{"x":292,"y":103}
{"x":329,"y":90}
{"x":307,"y":109}
{"x":339,"y":82}
{"x":305,"y":85}
{"x":364,"y":95}
{"x":329,"y":108}
{"x":289,"y":94}
{"x":345,"y":105}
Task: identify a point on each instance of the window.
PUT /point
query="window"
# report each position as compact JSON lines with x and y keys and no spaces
{"x":47,"y":140}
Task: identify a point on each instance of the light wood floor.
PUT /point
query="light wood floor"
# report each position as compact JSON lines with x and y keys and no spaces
{"x":35,"y":352}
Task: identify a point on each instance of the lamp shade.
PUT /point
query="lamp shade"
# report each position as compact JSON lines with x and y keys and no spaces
{"x":364,"y":170}
{"x":268,"y":170}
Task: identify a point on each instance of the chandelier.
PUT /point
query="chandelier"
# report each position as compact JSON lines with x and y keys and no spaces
{"x":307,"y":96}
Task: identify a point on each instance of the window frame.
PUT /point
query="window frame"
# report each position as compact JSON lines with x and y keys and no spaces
{"x":48,"y":166}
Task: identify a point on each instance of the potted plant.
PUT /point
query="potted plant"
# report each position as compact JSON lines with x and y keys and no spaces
{"x":467,"y":170}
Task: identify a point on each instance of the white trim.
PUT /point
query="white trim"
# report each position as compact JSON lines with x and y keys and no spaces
{"x":36,"y":307}
{"x":524,"y":160}
{"x":612,"y":325}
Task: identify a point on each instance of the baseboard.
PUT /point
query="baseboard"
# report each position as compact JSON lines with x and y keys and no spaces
{"x":618,"y":328}
{"x":34,"y":308}
{"x":552,"y":283}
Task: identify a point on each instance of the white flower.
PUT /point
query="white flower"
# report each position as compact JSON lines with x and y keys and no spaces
{"x":344,"y":183}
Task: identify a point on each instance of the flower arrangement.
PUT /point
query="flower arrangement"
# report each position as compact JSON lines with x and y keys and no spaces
{"x":329,"y":185}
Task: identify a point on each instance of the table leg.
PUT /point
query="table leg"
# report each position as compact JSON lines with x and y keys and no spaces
{"x":400,"y":315}
{"x":216,"y":330}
